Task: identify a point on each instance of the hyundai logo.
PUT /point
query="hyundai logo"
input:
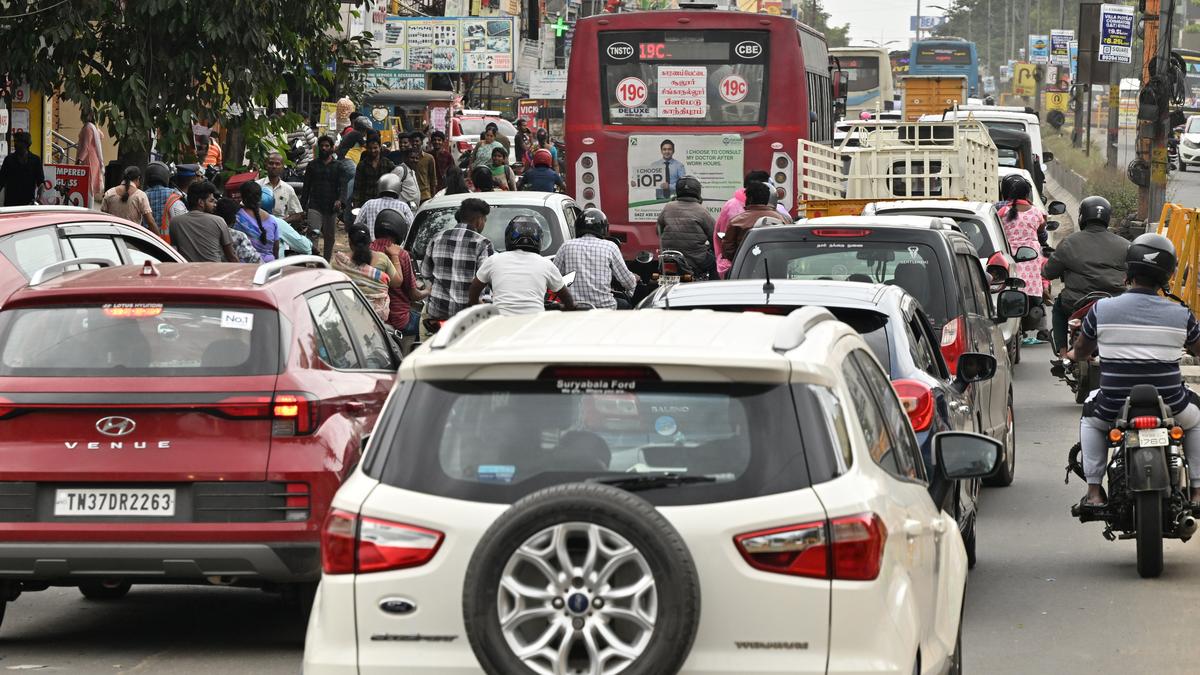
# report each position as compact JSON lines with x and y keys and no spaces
{"x":748,"y":49}
{"x":620,"y":51}
{"x":577,"y":603}
{"x":115,"y":426}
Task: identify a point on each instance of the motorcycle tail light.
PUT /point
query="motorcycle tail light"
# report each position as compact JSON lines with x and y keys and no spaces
{"x":670,"y":268}
{"x":1145,"y":422}
{"x":917,"y":400}
{"x":1176,"y":433}
{"x":954,"y":342}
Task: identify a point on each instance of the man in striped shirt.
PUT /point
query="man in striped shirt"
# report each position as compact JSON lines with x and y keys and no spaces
{"x":1140,"y":336}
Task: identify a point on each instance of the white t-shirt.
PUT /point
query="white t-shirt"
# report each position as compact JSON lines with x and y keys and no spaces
{"x":519,"y":281}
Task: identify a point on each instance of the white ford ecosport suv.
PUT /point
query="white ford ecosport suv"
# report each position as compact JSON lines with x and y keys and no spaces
{"x":644,"y":493}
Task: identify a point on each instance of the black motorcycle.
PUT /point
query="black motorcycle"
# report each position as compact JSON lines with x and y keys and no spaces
{"x":1148,"y":495}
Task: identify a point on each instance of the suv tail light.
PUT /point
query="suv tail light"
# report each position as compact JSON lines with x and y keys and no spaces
{"x":291,"y":413}
{"x":848,"y":548}
{"x":917,"y":399}
{"x":954,"y":342}
{"x":354,"y":545}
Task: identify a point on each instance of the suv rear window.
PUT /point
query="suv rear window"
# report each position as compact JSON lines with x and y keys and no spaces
{"x":138,"y":340}
{"x":498,"y":441}
{"x":913,"y":267}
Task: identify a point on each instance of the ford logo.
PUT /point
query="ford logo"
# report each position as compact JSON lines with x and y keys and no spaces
{"x":620,"y":51}
{"x":115,"y":426}
{"x":397,"y":606}
{"x":577,"y":603}
{"x":748,"y":49}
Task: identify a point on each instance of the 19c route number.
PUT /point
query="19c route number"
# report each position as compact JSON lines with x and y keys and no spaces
{"x":631,"y":92}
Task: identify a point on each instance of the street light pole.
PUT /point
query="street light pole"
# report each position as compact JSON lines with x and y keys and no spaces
{"x":918,"y":21}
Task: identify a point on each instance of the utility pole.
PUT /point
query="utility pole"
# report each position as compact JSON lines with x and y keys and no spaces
{"x":1152,"y":134}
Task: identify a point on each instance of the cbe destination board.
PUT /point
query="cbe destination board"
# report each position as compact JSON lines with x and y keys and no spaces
{"x":676,"y":77}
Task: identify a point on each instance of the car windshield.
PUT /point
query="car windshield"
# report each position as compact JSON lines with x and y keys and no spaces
{"x":496,"y":441}
{"x":429,"y":222}
{"x":1193,"y":125}
{"x":474,"y":127}
{"x":913,"y":267}
{"x":138,"y":340}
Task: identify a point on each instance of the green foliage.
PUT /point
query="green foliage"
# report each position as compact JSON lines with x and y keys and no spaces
{"x":1112,"y":184}
{"x":812,"y":13}
{"x":152,"y":67}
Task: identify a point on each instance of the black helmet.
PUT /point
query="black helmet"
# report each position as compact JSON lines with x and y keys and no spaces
{"x":1096,"y":210}
{"x":392,"y":224}
{"x":1014,"y":186}
{"x":157,"y":173}
{"x":593,"y":221}
{"x":688,"y":186}
{"x":524,"y":234}
{"x":1151,"y":256}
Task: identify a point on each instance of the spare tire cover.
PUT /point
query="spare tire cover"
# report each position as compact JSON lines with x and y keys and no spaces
{"x":585,"y":578}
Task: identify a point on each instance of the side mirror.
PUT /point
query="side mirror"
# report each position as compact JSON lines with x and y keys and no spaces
{"x":1012,"y":304}
{"x":1056,"y":208}
{"x":1025,"y":254}
{"x":963,"y":455}
{"x":975,"y":367}
{"x":1047,"y":156}
{"x":1052,"y":225}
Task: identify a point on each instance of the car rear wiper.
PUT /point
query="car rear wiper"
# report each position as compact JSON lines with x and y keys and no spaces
{"x":651,"y":481}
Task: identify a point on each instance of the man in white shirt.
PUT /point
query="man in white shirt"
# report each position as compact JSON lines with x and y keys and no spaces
{"x":520,"y":276}
{"x":287,"y":203}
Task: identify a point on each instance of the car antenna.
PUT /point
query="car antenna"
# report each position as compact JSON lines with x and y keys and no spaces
{"x":768,"y":287}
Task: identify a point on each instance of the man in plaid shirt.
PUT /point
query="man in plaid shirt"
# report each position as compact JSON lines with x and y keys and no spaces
{"x":452,"y":259}
{"x":596,"y":262}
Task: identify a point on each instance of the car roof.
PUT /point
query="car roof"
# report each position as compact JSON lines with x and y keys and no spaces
{"x":498,"y":198}
{"x":15,"y":219}
{"x":947,"y":205}
{"x":211,"y":282}
{"x":846,"y":294}
{"x":699,"y":345}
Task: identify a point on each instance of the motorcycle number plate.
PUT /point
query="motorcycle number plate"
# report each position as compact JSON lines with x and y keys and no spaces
{"x":667,"y":280}
{"x":1152,"y":437}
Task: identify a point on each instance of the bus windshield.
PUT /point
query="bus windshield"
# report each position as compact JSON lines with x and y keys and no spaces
{"x":684,"y":78}
{"x":863,"y":71}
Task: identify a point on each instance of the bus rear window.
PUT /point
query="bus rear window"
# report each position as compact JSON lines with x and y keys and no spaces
{"x":685,"y":78}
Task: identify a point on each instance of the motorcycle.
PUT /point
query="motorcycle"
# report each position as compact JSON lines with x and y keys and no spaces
{"x":1148,"y":494}
{"x":673,"y":268}
{"x":1082,"y":377}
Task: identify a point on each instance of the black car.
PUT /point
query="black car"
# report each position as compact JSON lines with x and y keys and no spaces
{"x":932,"y":260}
{"x":900,"y":336}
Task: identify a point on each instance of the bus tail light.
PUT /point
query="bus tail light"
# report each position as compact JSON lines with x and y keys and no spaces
{"x":783,"y":170}
{"x":587,"y":188}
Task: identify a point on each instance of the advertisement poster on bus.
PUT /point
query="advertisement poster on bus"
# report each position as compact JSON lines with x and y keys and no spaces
{"x":657,"y":161}
{"x":1039,"y":49}
{"x":66,"y":185}
{"x":1060,"y":47}
{"x":1116,"y":33}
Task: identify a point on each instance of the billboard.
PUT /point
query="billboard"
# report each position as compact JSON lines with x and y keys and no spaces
{"x":657,"y":161}
{"x":1116,"y":33}
{"x":66,"y":185}
{"x":1060,"y":47}
{"x":1039,"y":49}
{"x":448,"y":45}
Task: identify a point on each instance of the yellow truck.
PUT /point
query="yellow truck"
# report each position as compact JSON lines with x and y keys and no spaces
{"x":932,"y":94}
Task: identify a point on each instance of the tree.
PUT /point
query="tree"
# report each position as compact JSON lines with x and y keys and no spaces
{"x":812,"y":13}
{"x":151,"y":67}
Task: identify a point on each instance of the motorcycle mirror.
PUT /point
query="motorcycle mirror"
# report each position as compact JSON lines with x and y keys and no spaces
{"x":1025,"y":254}
{"x":1012,"y":304}
{"x":1056,"y":208}
{"x":1052,"y":225}
{"x":1047,"y":156}
{"x":568,"y":278}
{"x":964,"y":455}
{"x":644,"y":257}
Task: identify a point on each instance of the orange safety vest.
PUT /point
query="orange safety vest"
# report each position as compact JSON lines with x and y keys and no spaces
{"x":164,"y":228}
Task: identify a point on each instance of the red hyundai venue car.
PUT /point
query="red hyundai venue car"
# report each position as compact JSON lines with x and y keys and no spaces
{"x":180,"y":423}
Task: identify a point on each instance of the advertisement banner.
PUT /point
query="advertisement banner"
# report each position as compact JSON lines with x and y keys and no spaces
{"x":448,"y":45}
{"x":1060,"y":47}
{"x":1039,"y":49}
{"x":657,"y":162}
{"x":548,"y":84}
{"x":1116,"y":33}
{"x":66,"y":185}
{"x":926,"y":22}
{"x":527,"y":109}
{"x":1073,"y":50}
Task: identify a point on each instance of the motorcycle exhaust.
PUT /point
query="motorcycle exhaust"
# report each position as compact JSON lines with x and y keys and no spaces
{"x":1185,"y":526}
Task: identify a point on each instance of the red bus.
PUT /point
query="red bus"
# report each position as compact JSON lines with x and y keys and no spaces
{"x":655,"y":95}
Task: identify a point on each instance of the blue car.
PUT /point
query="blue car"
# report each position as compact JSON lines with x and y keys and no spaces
{"x":901,"y":337}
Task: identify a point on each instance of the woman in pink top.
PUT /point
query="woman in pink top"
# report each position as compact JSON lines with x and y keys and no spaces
{"x":1022,"y":220}
{"x":91,"y":153}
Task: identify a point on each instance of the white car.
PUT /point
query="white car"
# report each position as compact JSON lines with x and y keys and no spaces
{"x":555,"y":212}
{"x":562,"y":493}
{"x":1189,"y":143}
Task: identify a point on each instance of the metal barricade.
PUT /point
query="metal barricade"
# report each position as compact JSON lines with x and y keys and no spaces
{"x":1182,"y":226}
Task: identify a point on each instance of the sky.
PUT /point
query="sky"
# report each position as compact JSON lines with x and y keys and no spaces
{"x":879,"y":20}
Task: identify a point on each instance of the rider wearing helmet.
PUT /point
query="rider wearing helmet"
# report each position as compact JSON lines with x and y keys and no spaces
{"x":1141,"y":336}
{"x":596,"y":262}
{"x":686,"y":226}
{"x":165,"y":201}
{"x":521,"y":275}
{"x":391,"y":229}
{"x":1087,"y":261}
{"x":542,"y":178}
{"x":388,"y":199}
